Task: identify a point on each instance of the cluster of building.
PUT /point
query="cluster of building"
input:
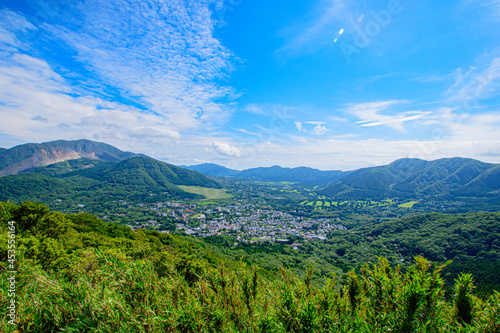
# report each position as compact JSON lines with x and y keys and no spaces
{"x":250,"y":223}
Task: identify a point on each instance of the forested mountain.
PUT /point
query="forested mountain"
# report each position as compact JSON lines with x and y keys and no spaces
{"x":416,"y":178}
{"x":211,"y":169}
{"x":136,"y":177}
{"x":275,"y":173}
{"x":32,"y":155}
{"x":299,"y":175}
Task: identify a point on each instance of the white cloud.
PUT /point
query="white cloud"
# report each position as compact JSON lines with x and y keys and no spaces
{"x":348,"y":153}
{"x":318,"y":129}
{"x":10,"y":24}
{"x":298,"y":124}
{"x":336,"y":118}
{"x":474,"y":86}
{"x":369,"y":113}
{"x":226,"y":149}
{"x":491,"y":8}
{"x":162,"y":55}
{"x":39,"y":106}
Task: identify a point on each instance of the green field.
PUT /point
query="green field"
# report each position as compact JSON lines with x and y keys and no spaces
{"x":408,"y":204}
{"x":208,"y":193}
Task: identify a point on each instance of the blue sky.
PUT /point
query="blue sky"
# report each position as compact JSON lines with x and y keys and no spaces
{"x":243,"y":83}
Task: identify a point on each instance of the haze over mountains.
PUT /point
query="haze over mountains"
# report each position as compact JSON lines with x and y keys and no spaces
{"x":104,"y":168}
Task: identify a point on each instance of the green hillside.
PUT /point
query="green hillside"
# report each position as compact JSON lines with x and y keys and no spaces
{"x":440,"y":237}
{"x":76,"y":273}
{"x":414,"y":178}
{"x":134,"y":178}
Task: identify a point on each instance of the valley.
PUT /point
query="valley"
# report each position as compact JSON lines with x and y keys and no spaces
{"x":274,"y":220}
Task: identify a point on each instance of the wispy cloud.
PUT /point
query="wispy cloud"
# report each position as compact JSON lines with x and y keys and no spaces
{"x":370,"y":114}
{"x":40,"y":105}
{"x":490,"y":8}
{"x":337,"y":118}
{"x":474,"y":85}
{"x":254,"y":108}
{"x":161,"y":59}
{"x":169,"y":66}
{"x":163,"y":55}
{"x":11,"y":24}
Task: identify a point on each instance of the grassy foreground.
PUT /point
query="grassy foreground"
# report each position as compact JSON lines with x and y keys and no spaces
{"x":76,"y":273}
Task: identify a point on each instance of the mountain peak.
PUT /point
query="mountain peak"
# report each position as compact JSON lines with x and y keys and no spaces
{"x":33,"y":155}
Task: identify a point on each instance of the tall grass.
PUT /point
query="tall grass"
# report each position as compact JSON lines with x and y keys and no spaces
{"x":106,"y":291}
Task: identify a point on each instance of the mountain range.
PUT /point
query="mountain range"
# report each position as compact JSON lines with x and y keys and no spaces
{"x":304,"y":175}
{"x":93,"y":166}
{"x":102,"y":171}
{"x":415,"y":178}
{"x":407,"y":177}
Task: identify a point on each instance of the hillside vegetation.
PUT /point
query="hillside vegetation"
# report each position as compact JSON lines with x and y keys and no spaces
{"x":472,"y":241}
{"x":79,"y":274}
{"x":135,"y":178}
{"x":444,"y":178}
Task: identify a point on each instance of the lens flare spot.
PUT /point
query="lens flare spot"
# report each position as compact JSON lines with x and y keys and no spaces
{"x":335,"y":40}
{"x":341,"y":32}
{"x":361,"y":18}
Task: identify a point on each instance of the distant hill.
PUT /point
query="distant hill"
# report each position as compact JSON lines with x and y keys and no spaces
{"x":275,"y":173}
{"x":300,"y":174}
{"x":415,"y":177}
{"x":33,"y":155}
{"x":211,"y":169}
{"x":141,"y":170}
{"x":135,"y":178}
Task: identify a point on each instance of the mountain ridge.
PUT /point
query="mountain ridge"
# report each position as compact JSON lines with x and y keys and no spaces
{"x":212,"y":169}
{"x":406,"y":177}
{"x":415,"y":177}
{"x":137,"y":177}
{"x":276,"y":173}
{"x":28,"y":156}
